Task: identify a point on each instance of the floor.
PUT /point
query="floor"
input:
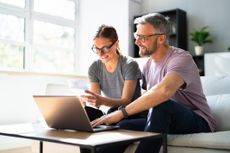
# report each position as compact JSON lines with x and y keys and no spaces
{"x":18,"y":150}
{"x":47,"y":148}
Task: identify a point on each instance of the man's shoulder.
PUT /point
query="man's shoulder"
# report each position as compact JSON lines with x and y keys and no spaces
{"x":178,"y":53}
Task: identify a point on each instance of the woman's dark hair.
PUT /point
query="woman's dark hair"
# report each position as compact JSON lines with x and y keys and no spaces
{"x":108,"y":32}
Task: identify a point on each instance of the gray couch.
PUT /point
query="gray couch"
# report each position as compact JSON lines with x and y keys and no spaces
{"x":217,"y":91}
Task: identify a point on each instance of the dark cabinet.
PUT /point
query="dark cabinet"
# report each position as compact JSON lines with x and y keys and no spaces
{"x":199,"y":60}
{"x":178,"y":35}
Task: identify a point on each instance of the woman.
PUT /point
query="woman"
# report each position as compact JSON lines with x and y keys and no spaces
{"x":115,"y":75}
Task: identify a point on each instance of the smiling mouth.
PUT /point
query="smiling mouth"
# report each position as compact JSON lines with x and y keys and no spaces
{"x":142,"y":48}
{"x":104,"y":57}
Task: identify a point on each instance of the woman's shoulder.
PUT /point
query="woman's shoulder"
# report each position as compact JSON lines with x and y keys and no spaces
{"x":128,"y":60}
{"x":96,"y":64}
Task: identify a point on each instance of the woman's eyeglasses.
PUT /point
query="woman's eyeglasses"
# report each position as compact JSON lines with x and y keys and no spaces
{"x":144,"y":37}
{"x":104,"y":49}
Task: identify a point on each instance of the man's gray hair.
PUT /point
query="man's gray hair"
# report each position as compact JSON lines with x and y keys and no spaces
{"x":157,"y":20}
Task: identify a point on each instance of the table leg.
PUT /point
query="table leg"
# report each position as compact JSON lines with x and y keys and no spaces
{"x":86,"y":150}
{"x":40,"y":147}
{"x":164,"y":142}
{"x":93,"y":150}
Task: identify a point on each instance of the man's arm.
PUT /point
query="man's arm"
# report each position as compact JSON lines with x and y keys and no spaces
{"x":157,"y":94}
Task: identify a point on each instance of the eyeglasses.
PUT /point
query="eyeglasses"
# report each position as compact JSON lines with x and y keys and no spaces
{"x":104,"y":49}
{"x":144,"y":37}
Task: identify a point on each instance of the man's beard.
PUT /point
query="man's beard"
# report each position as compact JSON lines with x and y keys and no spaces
{"x":148,"y":52}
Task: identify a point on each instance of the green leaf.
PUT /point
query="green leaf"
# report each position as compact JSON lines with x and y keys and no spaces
{"x":201,"y":36}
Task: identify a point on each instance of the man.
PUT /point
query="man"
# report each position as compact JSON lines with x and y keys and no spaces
{"x":174,"y":93}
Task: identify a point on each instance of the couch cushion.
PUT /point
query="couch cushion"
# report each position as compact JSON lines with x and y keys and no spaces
{"x":174,"y":149}
{"x":216,"y":140}
{"x":220,"y":107}
{"x":214,"y":85}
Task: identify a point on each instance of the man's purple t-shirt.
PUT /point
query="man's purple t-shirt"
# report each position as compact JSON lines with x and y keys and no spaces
{"x":180,"y":62}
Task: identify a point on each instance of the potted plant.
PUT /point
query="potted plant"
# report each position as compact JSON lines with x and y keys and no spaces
{"x":200,"y":37}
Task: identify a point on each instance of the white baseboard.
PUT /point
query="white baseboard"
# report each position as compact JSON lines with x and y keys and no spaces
{"x":13,"y":143}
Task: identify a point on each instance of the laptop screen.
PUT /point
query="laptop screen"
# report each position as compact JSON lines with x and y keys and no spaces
{"x":65,"y":112}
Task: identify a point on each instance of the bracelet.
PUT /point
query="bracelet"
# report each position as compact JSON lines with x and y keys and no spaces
{"x":124,"y":112}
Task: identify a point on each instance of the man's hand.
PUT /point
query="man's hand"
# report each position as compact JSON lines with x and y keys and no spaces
{"x":108,"y":119}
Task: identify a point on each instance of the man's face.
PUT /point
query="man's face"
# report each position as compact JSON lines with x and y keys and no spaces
{"x":146,"y":39}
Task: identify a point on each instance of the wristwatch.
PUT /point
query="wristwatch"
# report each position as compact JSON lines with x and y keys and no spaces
{"x":124,"y":112}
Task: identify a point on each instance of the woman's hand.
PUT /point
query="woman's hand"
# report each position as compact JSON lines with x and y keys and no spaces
{"x":91,"y":98}
{"x":108,"y":119}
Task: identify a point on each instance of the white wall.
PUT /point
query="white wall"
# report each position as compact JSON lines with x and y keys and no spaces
{"x":213,"y":13}
{"x":92,"y":15}
{"x":134,"y":10}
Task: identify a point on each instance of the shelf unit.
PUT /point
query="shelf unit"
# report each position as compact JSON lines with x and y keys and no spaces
{"x":178,"y":35}
{"x":199,"y":60}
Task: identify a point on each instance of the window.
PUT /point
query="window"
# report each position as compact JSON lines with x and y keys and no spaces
{"x":38,"y":35}
{"x":18,"y":3}
{"x":62,"y":8}
{"x":11,"y":41}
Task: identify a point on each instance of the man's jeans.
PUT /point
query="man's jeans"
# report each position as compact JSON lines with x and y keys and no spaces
{"x":168,"y":117}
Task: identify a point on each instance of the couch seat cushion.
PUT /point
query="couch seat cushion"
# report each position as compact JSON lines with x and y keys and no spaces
{"x":220,"y":107}
{"x":216,"y":140}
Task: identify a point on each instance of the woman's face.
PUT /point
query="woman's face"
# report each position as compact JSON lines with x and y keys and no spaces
{"x":105,"y":49}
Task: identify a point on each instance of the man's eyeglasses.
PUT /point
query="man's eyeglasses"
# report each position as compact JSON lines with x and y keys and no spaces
{"x":104,"y":49}
{"x":144,"y":37}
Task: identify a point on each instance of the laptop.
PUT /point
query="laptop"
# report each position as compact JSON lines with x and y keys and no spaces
{"x":66,"y":112}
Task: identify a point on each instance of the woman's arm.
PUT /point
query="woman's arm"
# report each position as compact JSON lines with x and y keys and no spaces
{"x":95,"y":98}
{"x":126,"y":97}
{"x":95,"y":88}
